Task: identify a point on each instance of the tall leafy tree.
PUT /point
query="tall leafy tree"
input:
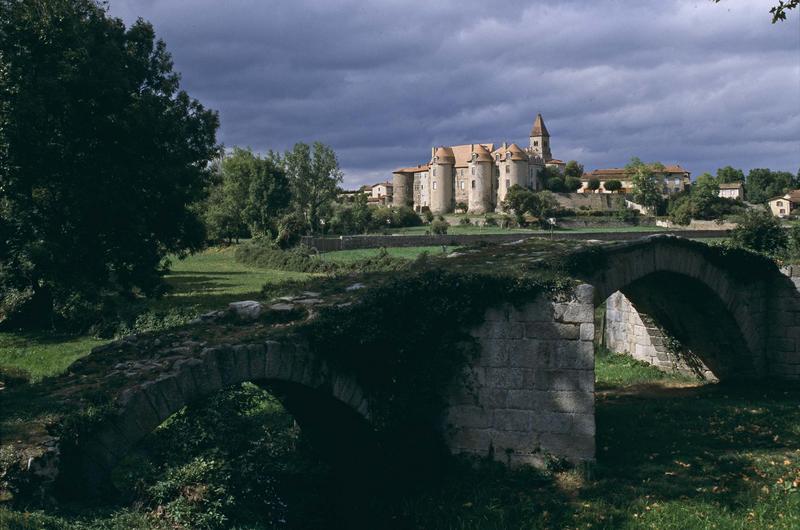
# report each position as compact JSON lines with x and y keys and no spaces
{"x":764,"y":184}
{"x":248,"y":195}
{"x":573,"y":169}
{"x":648,"y":187}
{"x":729,"y":174}
{"x":314,"y":176}
{"x":101,"y":156}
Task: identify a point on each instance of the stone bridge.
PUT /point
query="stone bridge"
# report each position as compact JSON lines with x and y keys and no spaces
{"x":527,"y":397}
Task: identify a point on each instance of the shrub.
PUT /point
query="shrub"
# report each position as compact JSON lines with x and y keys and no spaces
{"x":594,"y":184}
{"x":405,"y":216}
{"x":427,"y":215}
{"x":440,"y":226}
{"x":291,"y":228}
{"x":760,"y":232}
{"x":489,"y":220}
{"x":572,"y":184}
{"x":464,"y":221}
{"x":306,"y":259}
{"x":462,"y":206}
{"x":628,"y":215}
{"x":613,"y":186}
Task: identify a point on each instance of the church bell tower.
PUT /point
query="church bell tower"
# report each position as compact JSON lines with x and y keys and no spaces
{"x":540,"y":140}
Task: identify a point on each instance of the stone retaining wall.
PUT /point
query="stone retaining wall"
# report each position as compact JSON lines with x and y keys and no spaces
{"x":329,"y":244}
{"x":530,"y":395}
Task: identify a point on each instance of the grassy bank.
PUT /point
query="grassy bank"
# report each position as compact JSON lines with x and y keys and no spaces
{"x":199,"y":283}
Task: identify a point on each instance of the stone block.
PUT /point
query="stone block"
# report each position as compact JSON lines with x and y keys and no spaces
{"x":511,"y":420}
{"x":153,"y":393}
{"x":137,"y":407}
{"x":577,"y":313}
{"x":587,"y":331}
{"x":528,"y":353}
{"x":466,"y":416}
{"x":494,"y":352}
{"x":551,"y":330}
{"x":549,"y":422}
{"x":502,"y":330}
{"x":504,"y":378}
{"x":185,"y":380}
{"x":470,"y":439}
{"x":540,"y":310}
{"x":257,"y":358}
{"x":492,"y":398}
{"x":584,"y":293}
{"x":577,"y":402}
{"x":168,"y":387}
{"x":583,"y":425}
{"x":526,"y":399}
{"x":227,"y":365}
{"x":516,"y":441}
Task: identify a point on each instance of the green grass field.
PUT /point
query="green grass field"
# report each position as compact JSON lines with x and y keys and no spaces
{"x":349,"y":256}
{"x":200,"y":283}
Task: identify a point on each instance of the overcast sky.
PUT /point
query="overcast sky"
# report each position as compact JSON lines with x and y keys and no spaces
{"x":678,"y":81}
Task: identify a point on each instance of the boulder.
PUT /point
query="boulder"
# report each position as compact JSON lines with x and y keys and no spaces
{"x":246,"y":310}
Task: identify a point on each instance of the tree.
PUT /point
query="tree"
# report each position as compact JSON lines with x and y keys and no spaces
{"x":647,"y":186}
{"x":778,"y":12}
{"x":764,"y":184}
{"x":102,"y":156}
{"x":314,"y":177}
{"x":268,"y":195}
{"x":521,"y":201}
{"x":248,"y":195}
{"x":594,"y":184}
{"x":729,"y":174}
{"x":760,"y":232}
{"x":573,"y":169}
{"x":572,"y":184}
{"x":701,"y":201}
{"x":613,"y":186}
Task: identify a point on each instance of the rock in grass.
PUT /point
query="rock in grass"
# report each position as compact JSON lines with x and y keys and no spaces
{"x":246,"y":310}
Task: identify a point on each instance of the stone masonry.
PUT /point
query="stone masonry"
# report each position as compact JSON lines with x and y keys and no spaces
{"x":530,"y":395}
{"x":626,"y":330}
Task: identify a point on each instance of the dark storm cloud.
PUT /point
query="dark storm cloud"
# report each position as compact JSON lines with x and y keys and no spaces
{"x":692,"y":82}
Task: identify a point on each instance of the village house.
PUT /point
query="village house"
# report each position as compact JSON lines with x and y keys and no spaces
{"x":732,"y":190}
{"x":674,"y":178}
{"x":784,"y":205}
{"x":381,"y":193}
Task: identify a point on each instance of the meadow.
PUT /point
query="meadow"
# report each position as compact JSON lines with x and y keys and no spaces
{"x":672,"y":453}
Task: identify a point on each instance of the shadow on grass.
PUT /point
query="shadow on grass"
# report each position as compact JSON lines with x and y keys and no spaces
{"x":666,"y":458}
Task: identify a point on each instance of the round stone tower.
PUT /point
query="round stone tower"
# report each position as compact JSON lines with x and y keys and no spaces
{"x":513,"y":166}
{"x":441,"y":178}
{"x":480,"y":184}
{"x":402,"y":183}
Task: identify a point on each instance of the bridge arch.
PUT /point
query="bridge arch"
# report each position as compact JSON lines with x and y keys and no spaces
{"x":317,"y":395}
{"x":718,"y":304}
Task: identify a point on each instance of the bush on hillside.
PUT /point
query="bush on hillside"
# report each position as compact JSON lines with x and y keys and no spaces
{"x":759,"y":231}
{"x":440,"y":226}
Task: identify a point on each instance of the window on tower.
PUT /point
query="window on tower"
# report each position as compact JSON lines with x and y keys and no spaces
{"x":536,"y":143}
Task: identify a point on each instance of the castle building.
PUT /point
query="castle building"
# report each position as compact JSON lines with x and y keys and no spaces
{"x":477,"y":176}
